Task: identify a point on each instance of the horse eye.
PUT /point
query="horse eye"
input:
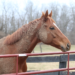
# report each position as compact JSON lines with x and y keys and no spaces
{"x":52,"y":28}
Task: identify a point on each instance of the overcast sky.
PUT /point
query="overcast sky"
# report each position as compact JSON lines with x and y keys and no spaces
{"x":37,"y":3}
{"x":21,"y":3}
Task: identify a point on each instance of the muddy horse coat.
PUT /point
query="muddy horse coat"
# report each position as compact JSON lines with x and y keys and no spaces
{"x":25,"y":39}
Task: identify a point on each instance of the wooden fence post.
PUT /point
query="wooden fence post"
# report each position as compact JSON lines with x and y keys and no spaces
{"x":62,"y":59}
{"x":62,"y":63}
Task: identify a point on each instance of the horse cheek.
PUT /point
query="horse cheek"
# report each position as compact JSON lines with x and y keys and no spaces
{"x":43,"y":35}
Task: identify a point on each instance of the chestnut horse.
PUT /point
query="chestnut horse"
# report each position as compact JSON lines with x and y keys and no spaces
{"x":25,"y":39}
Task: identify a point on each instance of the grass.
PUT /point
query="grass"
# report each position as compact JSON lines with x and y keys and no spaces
{"x":46,"y":66}
{"x":47,"y":48}
{"x":51,"y":65}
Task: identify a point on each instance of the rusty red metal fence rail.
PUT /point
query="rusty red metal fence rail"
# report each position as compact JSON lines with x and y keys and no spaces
{"x":37,"y":54}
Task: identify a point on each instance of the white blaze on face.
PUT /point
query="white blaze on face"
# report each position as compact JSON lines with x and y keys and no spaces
{"x":56,"y":26}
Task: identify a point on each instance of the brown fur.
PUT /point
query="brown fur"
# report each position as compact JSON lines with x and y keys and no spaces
{"x":13,"y":38}
{"x":25,"y":39}
{"x":17,"y":35}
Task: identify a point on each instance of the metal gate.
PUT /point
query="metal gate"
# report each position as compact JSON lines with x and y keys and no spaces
{"x":37,"y":54}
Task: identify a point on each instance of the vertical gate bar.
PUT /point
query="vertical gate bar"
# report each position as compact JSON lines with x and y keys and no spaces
{"x":17,"y":66}
{"x":68,"y":63}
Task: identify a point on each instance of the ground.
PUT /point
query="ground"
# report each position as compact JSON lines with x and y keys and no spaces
{"x":47,"y":66}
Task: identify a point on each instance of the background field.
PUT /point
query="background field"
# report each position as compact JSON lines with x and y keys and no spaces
{"x":45,"y":65}
{"x":47,"y":48}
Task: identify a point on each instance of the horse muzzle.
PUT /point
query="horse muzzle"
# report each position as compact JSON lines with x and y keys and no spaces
{"x":67,"y":48}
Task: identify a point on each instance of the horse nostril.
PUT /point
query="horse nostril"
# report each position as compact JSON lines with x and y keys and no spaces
{"x":68,"y":46}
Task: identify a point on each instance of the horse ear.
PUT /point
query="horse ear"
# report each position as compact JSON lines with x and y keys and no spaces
{"x":46,"y":14}
{"x":50,"y":15}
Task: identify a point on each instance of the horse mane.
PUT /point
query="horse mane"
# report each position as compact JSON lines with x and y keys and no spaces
{"x":16,"y":36}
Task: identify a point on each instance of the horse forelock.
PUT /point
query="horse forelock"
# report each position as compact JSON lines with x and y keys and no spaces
{"x":16,"y":36}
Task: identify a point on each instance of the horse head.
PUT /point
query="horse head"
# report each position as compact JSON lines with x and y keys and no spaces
{"x":50,"y":34}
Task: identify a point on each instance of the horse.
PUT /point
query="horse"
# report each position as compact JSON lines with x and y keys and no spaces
{"x":26,"y":38}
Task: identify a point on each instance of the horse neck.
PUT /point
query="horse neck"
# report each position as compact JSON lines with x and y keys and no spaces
{"x":29,"y":39}
{"x":34,"y":42}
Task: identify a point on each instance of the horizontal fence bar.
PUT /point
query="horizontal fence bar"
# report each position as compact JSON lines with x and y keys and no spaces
{"x":51,"y":53}
{"x":39,"y":72}
{"x":35,"y":54}
{"x":8,"y":55}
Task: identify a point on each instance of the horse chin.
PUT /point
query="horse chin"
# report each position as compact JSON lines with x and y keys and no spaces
{"x":63,"y":49}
